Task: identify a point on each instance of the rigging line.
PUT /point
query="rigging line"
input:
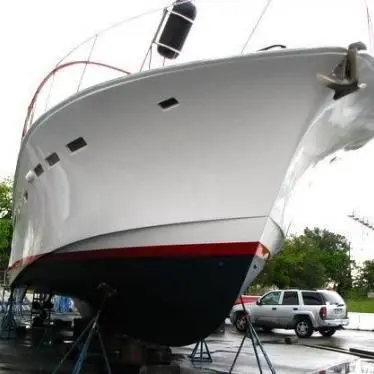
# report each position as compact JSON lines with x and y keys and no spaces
{"x":370,"y":26}
{"x":49,"y":92}
{"x":115,"y":25}
{"x":88,"y":59}
{"x":149,"y":50}
{"x":256,"y":25}
{"x":145,"y":57}
{"x":150,"y":57}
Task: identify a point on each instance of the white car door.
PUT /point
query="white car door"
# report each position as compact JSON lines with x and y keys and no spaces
{"x":265,"y":312}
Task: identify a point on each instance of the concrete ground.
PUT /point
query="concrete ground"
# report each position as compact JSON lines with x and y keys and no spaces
{"x":24,"y":357}
{"x":294,"y":358}
{"x":344,"y":339}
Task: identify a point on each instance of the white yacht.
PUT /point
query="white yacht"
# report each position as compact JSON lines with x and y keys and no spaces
{"x":171,"y":183}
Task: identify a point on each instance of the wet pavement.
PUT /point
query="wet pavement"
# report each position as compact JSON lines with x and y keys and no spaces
{"x":343,"y":339}
{"x":317,"y":354}
{"x":27,"y":356}
{"x":286,"y":358}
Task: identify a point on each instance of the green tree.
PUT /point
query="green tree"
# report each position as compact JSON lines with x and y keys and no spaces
{"x":365,"y":278}
{"x":334,"y":252}
{"x":297,"y":265}
{"x":5,"y":221}
{"x":311,"y":260}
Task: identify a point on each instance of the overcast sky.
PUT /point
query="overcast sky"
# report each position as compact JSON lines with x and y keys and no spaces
{"x":36,"y":34}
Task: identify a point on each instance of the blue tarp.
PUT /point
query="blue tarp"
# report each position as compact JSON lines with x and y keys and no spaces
{"x":62,"y":304}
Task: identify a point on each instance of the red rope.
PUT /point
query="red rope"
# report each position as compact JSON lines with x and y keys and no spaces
{"x":55,"y":70}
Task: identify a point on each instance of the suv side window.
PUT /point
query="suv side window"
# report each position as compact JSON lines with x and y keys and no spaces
{"x":290,"y":298}
{"x":312,"y":298}
{"x":271,"y":298}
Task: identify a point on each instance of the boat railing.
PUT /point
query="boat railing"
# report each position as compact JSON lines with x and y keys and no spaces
{"x":32,"y":106}
{"x":131,"y":45}
{"x":74,"y":67}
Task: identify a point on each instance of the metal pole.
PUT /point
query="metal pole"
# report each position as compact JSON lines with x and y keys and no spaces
{"x":254,"y":334}
{"x":251,"y":333}
{"x":109,"y":370}
{"x":350,"y":264}
{"x":74,"y":345}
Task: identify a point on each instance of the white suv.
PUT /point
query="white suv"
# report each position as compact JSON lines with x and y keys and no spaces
{"x":302,"y":310}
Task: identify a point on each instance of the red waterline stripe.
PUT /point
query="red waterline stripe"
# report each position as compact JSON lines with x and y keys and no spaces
{"x":179,"y":250}
{"x":23,"y":261}
{"x":246,"y":299}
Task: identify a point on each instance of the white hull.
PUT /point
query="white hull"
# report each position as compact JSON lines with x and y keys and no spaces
{"x":219,"y":167}
{"x":222,"y":153}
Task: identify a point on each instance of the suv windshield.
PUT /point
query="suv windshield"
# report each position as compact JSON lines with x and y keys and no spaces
{"x":332,"y":297}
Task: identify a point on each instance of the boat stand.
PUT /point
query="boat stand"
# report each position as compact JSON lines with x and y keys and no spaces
{"x":201,"y":352}
{"x":92,"y":329}
{"x":48,"y":333}
{"x":252,"y":335}
{"x":8,"y":323}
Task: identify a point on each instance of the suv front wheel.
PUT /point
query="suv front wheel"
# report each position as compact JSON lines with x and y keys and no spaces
{"x":303,"y":327}
{"x":241,"y":322}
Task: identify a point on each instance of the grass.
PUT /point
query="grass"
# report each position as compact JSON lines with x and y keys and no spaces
{"x":363,"y":305}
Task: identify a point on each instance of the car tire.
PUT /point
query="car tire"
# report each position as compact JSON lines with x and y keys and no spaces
{"x":303,"y":327}
{"x":241,"y":322}
{"x":327,"y":332}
